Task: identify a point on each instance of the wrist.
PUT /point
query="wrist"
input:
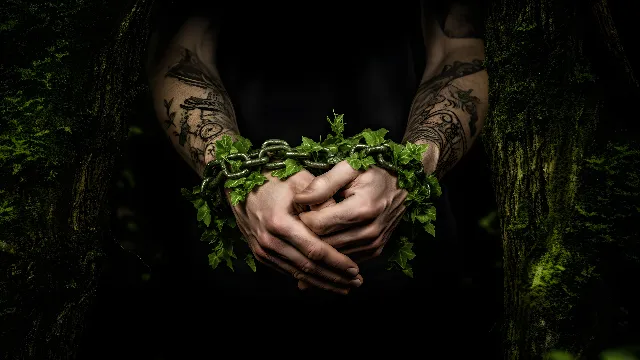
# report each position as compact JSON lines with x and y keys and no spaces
{"x":430,"y":157}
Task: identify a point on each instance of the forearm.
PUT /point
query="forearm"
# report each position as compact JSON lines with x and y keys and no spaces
{"x":448,"y":110}
{"x":191,"y":102}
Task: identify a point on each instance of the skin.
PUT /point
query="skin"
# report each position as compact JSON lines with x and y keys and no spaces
{"x":447,"y":113}
{"x":195,"y":110}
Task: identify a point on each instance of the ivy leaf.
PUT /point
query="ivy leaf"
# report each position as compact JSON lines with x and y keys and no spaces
{"x":413,"y":152}
{"x":355,"y":161}
{"x":227,"y":252}
{"x":337,"y":125}
{"x":237,"y":195}
{"x":216,"y":257}
{"x":291,"y":167}
{"x":251,"y":262}
{"x":219,"y":223}
{"x":434,"y":185}
{"x":367,"y":161}
{"x":408,"y":271}
{"x":235,"y":165}
{"x":374,"y":138}
{"x":308,"y":145}
{"x":224,"y":146}
{"x":204,"y":213}
{"x":430,"y":229}
{"x":232,"y":183}
{"x":242,"y":145}
{"x":423,"y":215}
{"x":404,"y":253}
{"x":254,"y":179}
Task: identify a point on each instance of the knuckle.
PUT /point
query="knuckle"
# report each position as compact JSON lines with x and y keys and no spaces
{"x":298,"y":275}
{"x":260,"y":255}
{"x":365,"y":212}
{"x":315,"y":252}
{"x":308,"y":267}
{"x":372,"y":232}
{"x":276,"y":224}
{"x":266,"y":242}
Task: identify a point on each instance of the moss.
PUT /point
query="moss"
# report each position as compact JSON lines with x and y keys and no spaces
{"x":60,"y":133}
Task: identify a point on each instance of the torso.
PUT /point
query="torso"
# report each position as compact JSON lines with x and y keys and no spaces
{"x":286,"y":74}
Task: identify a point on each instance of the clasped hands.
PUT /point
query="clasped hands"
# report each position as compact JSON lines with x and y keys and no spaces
{"x":296,"y":227}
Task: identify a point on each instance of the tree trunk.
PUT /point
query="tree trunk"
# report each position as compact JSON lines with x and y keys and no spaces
{"x":565,"y":175}
{"x":68,"y":73}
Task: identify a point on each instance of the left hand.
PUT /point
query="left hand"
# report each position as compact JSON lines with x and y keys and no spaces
{"x":360,"y":225}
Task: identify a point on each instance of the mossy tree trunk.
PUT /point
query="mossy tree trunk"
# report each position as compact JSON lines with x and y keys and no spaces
{"x":565,"y":174}
{"x":68,"y":73}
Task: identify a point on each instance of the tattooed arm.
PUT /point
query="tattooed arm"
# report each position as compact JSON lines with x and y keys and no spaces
{"x":449,"y":108}
{"x":188,"y":96}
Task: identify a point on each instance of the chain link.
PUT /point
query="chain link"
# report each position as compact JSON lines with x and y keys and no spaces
{"x":272,"y":156}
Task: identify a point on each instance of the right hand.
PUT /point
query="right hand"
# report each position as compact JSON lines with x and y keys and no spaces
{"x":278,"y":238}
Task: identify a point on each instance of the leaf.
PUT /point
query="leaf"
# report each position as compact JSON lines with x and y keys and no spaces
{"x":430,"y":229}
{"x":224,"y":146}
{"x":367,"y":161}
{"x":291,"y":167}
{"x":354,"y":161}
{"x":374,"y":138}
{"x":309,"y":145}
{"x":216,"y":257}
{"x":232,"y":183}
{"x":415,"y":151}
{"x":242,"y":145}
{"x":251,"y":262}
{"x":235,"y":165}
{"x":408,"y":271}
{"x":204,"y":213}
{"x":237,"y":195}
{"x":254,"y":179}
{"x":404,"y":253}
{"x":337,"y":125}
{"x":423,"y":215}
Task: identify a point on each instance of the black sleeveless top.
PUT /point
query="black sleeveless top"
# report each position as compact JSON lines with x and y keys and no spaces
{"x":287,"y":67}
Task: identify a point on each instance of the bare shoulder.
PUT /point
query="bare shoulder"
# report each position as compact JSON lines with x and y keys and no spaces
{"x":456,"y":18}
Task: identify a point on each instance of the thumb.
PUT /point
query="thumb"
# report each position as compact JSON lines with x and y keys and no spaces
{"x":323,"y":187}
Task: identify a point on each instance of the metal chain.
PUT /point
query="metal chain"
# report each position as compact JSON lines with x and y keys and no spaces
{"x":272,"y":156}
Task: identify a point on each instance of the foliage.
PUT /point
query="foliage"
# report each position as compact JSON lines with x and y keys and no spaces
{"x":220,"y":229}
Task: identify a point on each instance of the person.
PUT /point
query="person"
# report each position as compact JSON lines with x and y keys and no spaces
{"x":276,"y":71}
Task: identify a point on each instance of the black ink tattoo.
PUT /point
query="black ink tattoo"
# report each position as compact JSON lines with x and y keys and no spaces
{"x":170,"y":115}
{"x":203,"y":120}
{"x":435,"y":113}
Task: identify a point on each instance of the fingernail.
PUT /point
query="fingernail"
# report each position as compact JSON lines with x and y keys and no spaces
{"x":356,"y":282}
{"x":353,"y":271}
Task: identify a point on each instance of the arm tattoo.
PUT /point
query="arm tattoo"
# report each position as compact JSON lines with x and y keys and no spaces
{"x":435,"y":114}
{"x":202,"y":120}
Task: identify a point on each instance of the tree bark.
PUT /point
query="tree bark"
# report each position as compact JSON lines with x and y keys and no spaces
{"x":565,"y":176}
{"x":66,"y":85}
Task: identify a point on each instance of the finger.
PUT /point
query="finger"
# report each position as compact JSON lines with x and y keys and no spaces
{"x":347,"y":213}
{"x":303,"y":285}
{"x":354,"y":237}
{"x":296,"y":233}
{"x":310,"y":279}
{"x":379,"y":242}
{"x":326,"y":185}
{"x":308,"y":266}
{"x":325,"y":204}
